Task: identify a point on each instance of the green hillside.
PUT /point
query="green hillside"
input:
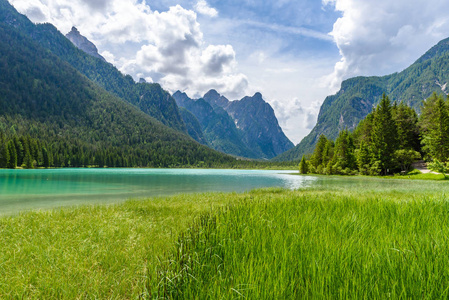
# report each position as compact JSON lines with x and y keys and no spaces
{"x":357,"y":96}
{"x":45,"y":101}
{"x":150,"y":98}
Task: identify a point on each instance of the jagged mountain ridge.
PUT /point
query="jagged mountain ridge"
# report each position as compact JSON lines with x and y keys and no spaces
{"x":250,"y":122}
{"x":357,"y":96}
{"x":256,"y":121}
{"x":218,"y":127}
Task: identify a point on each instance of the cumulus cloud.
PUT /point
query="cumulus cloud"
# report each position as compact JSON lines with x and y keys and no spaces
{"x":202,"y":7}
{"x":384,"y":36}
{"x":167,"y":47}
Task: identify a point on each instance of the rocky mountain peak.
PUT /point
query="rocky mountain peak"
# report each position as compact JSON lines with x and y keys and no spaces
{"x":258,"y":96}
{"x":215,"y":99}
{"x":83,"y":43}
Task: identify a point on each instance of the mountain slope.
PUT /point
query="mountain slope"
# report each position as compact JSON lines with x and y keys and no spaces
{"x":256,"y":122}
{"x":219,"y":129}
{"x":193,"y":126}
{"x":357,"y":96}
{"x":150,"y":98}
{"x":47,"y":99}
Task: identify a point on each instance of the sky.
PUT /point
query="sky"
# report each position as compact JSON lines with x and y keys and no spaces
{"x":295,"y":52}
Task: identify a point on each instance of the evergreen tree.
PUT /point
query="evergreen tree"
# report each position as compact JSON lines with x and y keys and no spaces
{"x":45,"y":157}
{"x":28,"y":160}
{"x":303,"y":168}
{"x":19,"y":150}
{"x":4,"y":156}
{"x":406,"y":121}
{"x":12,"y":163}
{"x":363,"y":158}
{"x":317,"y":156}
{"x":384,"y":141}
{"x":328,"y":153}
{"x":344,"y":152}
{"x":434,"y":124}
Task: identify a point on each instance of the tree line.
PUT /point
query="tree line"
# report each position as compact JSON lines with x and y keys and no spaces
{"x":387,"y":141}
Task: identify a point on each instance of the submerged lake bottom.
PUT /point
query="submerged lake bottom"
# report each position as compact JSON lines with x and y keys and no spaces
{"x":22,"y":190}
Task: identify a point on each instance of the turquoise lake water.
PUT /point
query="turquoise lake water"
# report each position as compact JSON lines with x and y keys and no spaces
{"x":22,"y":190}
{"x":35,"y":189}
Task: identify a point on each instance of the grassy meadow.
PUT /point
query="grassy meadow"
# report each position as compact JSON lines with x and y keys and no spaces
{"x":372,"y":241}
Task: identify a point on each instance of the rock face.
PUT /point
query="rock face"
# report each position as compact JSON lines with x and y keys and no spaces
{"x":249,"y":124}
{"x":83,"y":43}
{"x":259,"y":126}
{"x":358,"y":95}
{"x":218,"y":127}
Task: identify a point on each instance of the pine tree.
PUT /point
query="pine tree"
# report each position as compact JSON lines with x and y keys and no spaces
{"x":12,"y":163}
{"x":303,"y":168}
{"x":434,"y":124}
{"x":363,"y":158}
{"x":317,"y":156}
{"x":406,"y":121}
{"x":28,"y":160}
{"x":344,"y":151}
{"x":45,"y":157}
{"x":19,"y":150}
{"x":4,"y":156}
{"x":384,"y":141}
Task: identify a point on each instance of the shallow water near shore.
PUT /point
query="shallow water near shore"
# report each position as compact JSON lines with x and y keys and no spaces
{"x":22,"y":190}
{"x":34,"y":189}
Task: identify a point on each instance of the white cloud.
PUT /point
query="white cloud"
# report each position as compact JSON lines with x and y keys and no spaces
{"x":179,"y":58}
{"x":167,"y":47}
{"x":384,"y":36}
{"x":202,"y":7}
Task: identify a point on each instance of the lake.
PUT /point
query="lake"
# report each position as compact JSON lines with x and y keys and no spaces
{"x":34,"y":189}
{"x":41,"y":189}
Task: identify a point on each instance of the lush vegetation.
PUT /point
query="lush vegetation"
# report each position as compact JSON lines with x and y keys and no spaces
{"x":364,"y":242}
{"x":149,"y":98}
{"x":388,"y":140}
{"x":354,"y":101}
{"x":47,"y":106}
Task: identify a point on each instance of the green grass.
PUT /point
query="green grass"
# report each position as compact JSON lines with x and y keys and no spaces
{"x":290,"y":245}
{"x":93,"y":251}
{"x":416,"y":174}
{"x":372,"y":242}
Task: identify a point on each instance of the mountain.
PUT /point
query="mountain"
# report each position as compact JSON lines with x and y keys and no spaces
{"x":246,"y":127}
{"x":357,"y":96}
{"x":81,"y":42}
{"x":193,"y":126}
{"x":218,"y":127}
{"x":149,"y":98}
{"x":256,"y":122}
{"x":45,"y":100}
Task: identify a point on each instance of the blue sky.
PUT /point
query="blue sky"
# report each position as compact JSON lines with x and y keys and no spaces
{"x":295,"y":52}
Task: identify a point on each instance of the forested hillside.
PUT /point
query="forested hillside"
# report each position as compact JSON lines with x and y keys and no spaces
{"x":357,"y":96}
{"x":51,"y":112}
{"x":387,"y":141}
{"x":150,"y":98}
